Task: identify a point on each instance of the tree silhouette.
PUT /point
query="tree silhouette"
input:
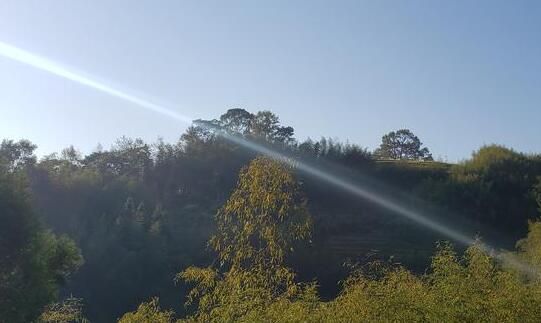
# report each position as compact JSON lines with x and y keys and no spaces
{"x":402,"y":145}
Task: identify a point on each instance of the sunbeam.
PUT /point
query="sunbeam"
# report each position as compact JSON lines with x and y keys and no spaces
{"x":354,"y":188}
{"x":47,"y":65}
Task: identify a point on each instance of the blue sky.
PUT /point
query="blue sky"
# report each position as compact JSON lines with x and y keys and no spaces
{"x":458,"y":73}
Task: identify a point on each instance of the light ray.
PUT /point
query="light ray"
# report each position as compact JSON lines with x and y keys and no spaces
{"x":47,"y":65}
{"x":356,"y":189}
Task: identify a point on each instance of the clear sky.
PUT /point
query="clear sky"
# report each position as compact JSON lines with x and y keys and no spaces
{"x":458,"y":73}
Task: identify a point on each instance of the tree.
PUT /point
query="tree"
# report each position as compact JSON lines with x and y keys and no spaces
{"x":263,"y":217}
{"x":497,"y":186}
{"x":264,"y":125}
{"x":237,"y":121}
{"x":33,"y":261}
{"x":71,"y":155}
{"x":284,"y":135}
{"x":69,"y":311}
{"x":402,"y":145}
{"x":148,"y":312}
{"x":14,"y":155}
{"x":127,"y":157}
{"x":256,"y":228}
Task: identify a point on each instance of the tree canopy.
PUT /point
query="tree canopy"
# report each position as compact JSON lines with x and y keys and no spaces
{"x":34,"y":262}
{"x":402,"y":145}
{"x":475,"y":287}
{"x":141,"y":212}
{"x":256,"y":228}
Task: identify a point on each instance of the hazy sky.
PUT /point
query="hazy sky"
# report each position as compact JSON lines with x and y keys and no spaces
{"x":458,"y":73}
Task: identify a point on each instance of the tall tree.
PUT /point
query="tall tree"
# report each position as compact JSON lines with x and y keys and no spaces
{"x":33,"y":261}
{"x":263,"y":217}
{"x":403,"y":145}
{"x":264,"y":125}
{"x":257,"y":228}
{"x":14,"y":155}
{"x":237,"y":120}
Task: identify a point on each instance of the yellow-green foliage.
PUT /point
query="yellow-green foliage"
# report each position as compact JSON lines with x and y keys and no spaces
{"x":473,"y":288}
{"x":148,"y":312}
{"x":469,"y":289}
{"x":257,"y":227}
{"x":68,"y":311}
{"x":266,"y":214}
{"x":530,"y":247}
{"x":239,"y":293}
{"x":487,"y":161}
{"x":263,"y":217}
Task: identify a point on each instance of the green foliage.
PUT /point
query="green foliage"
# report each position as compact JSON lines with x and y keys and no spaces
{"x":347,"y":154}
{"x":142,"y":212}
{"x":16,"y":155}
{"x":33,"y":261}
{"x":495,"y":186}
{"x":263,"y":217}
{"x":230,"y":296}
{"x":237,"y":121}
{"x":148,"y":312}
{"x":264,"y":127}
{"x":403,"y":145}
{"x":530,"y":246}
{"x":70,"y":310}
{"x":256,"y":229}
{"x":474,"y":288}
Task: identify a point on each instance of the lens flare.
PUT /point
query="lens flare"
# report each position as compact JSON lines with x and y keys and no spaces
{"x":355,"y":189}
{"x":47,"y":65}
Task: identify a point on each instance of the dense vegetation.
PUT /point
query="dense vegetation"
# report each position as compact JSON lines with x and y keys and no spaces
{"x":33,"y":261}
{"x":142,"y":215}
{"x":266,"y":213}
{"x":472,"y":288}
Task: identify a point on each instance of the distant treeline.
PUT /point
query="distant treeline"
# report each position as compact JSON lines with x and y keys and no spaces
{"x":140,"y":213}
